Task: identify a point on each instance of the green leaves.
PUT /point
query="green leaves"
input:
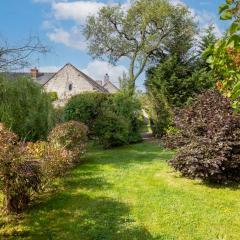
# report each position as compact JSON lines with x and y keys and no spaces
{"x":233,"y":41}
{"x":235,"y":27}
{"x":223,"y":7}
{"x":227,"y":15}
{"x":225,"y":55}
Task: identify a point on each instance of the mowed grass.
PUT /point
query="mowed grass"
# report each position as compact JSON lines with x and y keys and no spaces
{"x":129,"y":193}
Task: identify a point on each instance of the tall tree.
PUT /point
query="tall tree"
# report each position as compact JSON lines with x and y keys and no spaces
{"x":139,"y":33}
{"x":177,"y":77}
{"x":207,"y":41}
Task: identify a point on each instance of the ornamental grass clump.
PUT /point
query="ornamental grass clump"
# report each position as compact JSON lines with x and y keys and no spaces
{"x":212,"y":152}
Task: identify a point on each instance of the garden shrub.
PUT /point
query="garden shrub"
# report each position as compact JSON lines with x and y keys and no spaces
{"x":27,"y":168}
{"x":119,"y":122}
{"x":25,"y":108}
{"x":98,"y":110}
{"x":72,"y":136}
{"x":213,"y":153}
{"x":85,"y":108}
{"x":19,"y":174}
{"x":112,"y":130}
{"x":53,"y":160}
{"x":173,"y":138}
{"x":53,"y":96}
{"x":59,"y":115}
{"x":128,"y":107}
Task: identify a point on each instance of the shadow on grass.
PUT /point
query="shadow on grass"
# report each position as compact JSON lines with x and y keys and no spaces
{"x":231,"y":186}
{"x":122,"y":156}
{"x":79,"y":179}
{"x":199,"y":182}
{"x":78,"y":216}
{"x":71,"y":214}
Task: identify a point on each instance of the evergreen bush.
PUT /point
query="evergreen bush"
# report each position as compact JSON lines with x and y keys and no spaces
{"x":25,"y":108}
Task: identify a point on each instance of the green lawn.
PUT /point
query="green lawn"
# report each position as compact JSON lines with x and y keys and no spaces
{"x":129,"y":193}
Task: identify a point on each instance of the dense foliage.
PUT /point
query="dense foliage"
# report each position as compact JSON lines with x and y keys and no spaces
{"x":119,"y":122}
{"x":85,"y":108}
{"x":113,"y":119}
{"x":25,"y":108}
{"x":111,"y":129}
{"x":211,"y":132}
{"x":225,"y":56}
{"x":53,"y":160}
{"x":71,"y":135}
{"x":172,"y":85}
{"x":20,"y":175}
{"x":27,"y":168}
{"x":179,"y":75}
{"x":146,"y":29}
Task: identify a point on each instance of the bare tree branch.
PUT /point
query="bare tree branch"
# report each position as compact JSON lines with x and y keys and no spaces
{"x":14,"y":58}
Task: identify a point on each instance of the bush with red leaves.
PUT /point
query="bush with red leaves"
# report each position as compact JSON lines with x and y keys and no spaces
{"x":211,"y":131}
{"x":20,"y":176}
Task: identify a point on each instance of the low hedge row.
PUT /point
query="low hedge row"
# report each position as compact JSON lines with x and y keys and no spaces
{"x":27,"y":168}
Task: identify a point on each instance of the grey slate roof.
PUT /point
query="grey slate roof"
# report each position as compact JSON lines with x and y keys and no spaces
{"x":41,"y":79}
{"x":44,"y":77}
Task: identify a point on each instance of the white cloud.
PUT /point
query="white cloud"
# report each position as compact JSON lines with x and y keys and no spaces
{"x":206,"y":18}
{"x":177,"y":2}
{"x":97,"y":69}
{"x":47,"y":24}
{"x":72,"y":38}
{"x":77,"y":11}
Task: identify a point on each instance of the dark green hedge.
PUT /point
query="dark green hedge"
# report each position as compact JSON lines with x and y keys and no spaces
{"x":25,"y":108}
{"x":112,"y":118}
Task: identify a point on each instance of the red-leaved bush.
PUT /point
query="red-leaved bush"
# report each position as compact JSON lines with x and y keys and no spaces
{"x":26,"y":168}
{"x":20,"y":175}
{"x":211,"y":132}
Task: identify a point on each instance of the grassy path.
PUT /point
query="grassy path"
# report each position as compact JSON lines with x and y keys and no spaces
{"x":126,"y":194}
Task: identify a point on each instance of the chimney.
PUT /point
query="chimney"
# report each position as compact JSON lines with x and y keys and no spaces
{"x":34,"y":72}
{"x":106,"y":79}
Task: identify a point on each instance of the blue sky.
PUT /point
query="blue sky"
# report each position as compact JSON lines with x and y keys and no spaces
{"x":57,"y":23}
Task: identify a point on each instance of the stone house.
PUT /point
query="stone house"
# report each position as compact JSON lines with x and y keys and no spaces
{"x":69,"y":81}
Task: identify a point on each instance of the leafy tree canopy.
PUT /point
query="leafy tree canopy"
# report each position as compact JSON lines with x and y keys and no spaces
{"x":144,"y":30}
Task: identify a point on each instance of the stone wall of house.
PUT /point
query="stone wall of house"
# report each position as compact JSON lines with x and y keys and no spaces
{"x":68,"y":82}
{"x":110,"y":88}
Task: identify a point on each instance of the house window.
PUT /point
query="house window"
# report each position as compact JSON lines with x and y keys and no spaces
{"x":70,"y":87}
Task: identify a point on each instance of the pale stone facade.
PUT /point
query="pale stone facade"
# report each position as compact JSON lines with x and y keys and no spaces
{"x":70,"y":81}
{"x":110,"y":87}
